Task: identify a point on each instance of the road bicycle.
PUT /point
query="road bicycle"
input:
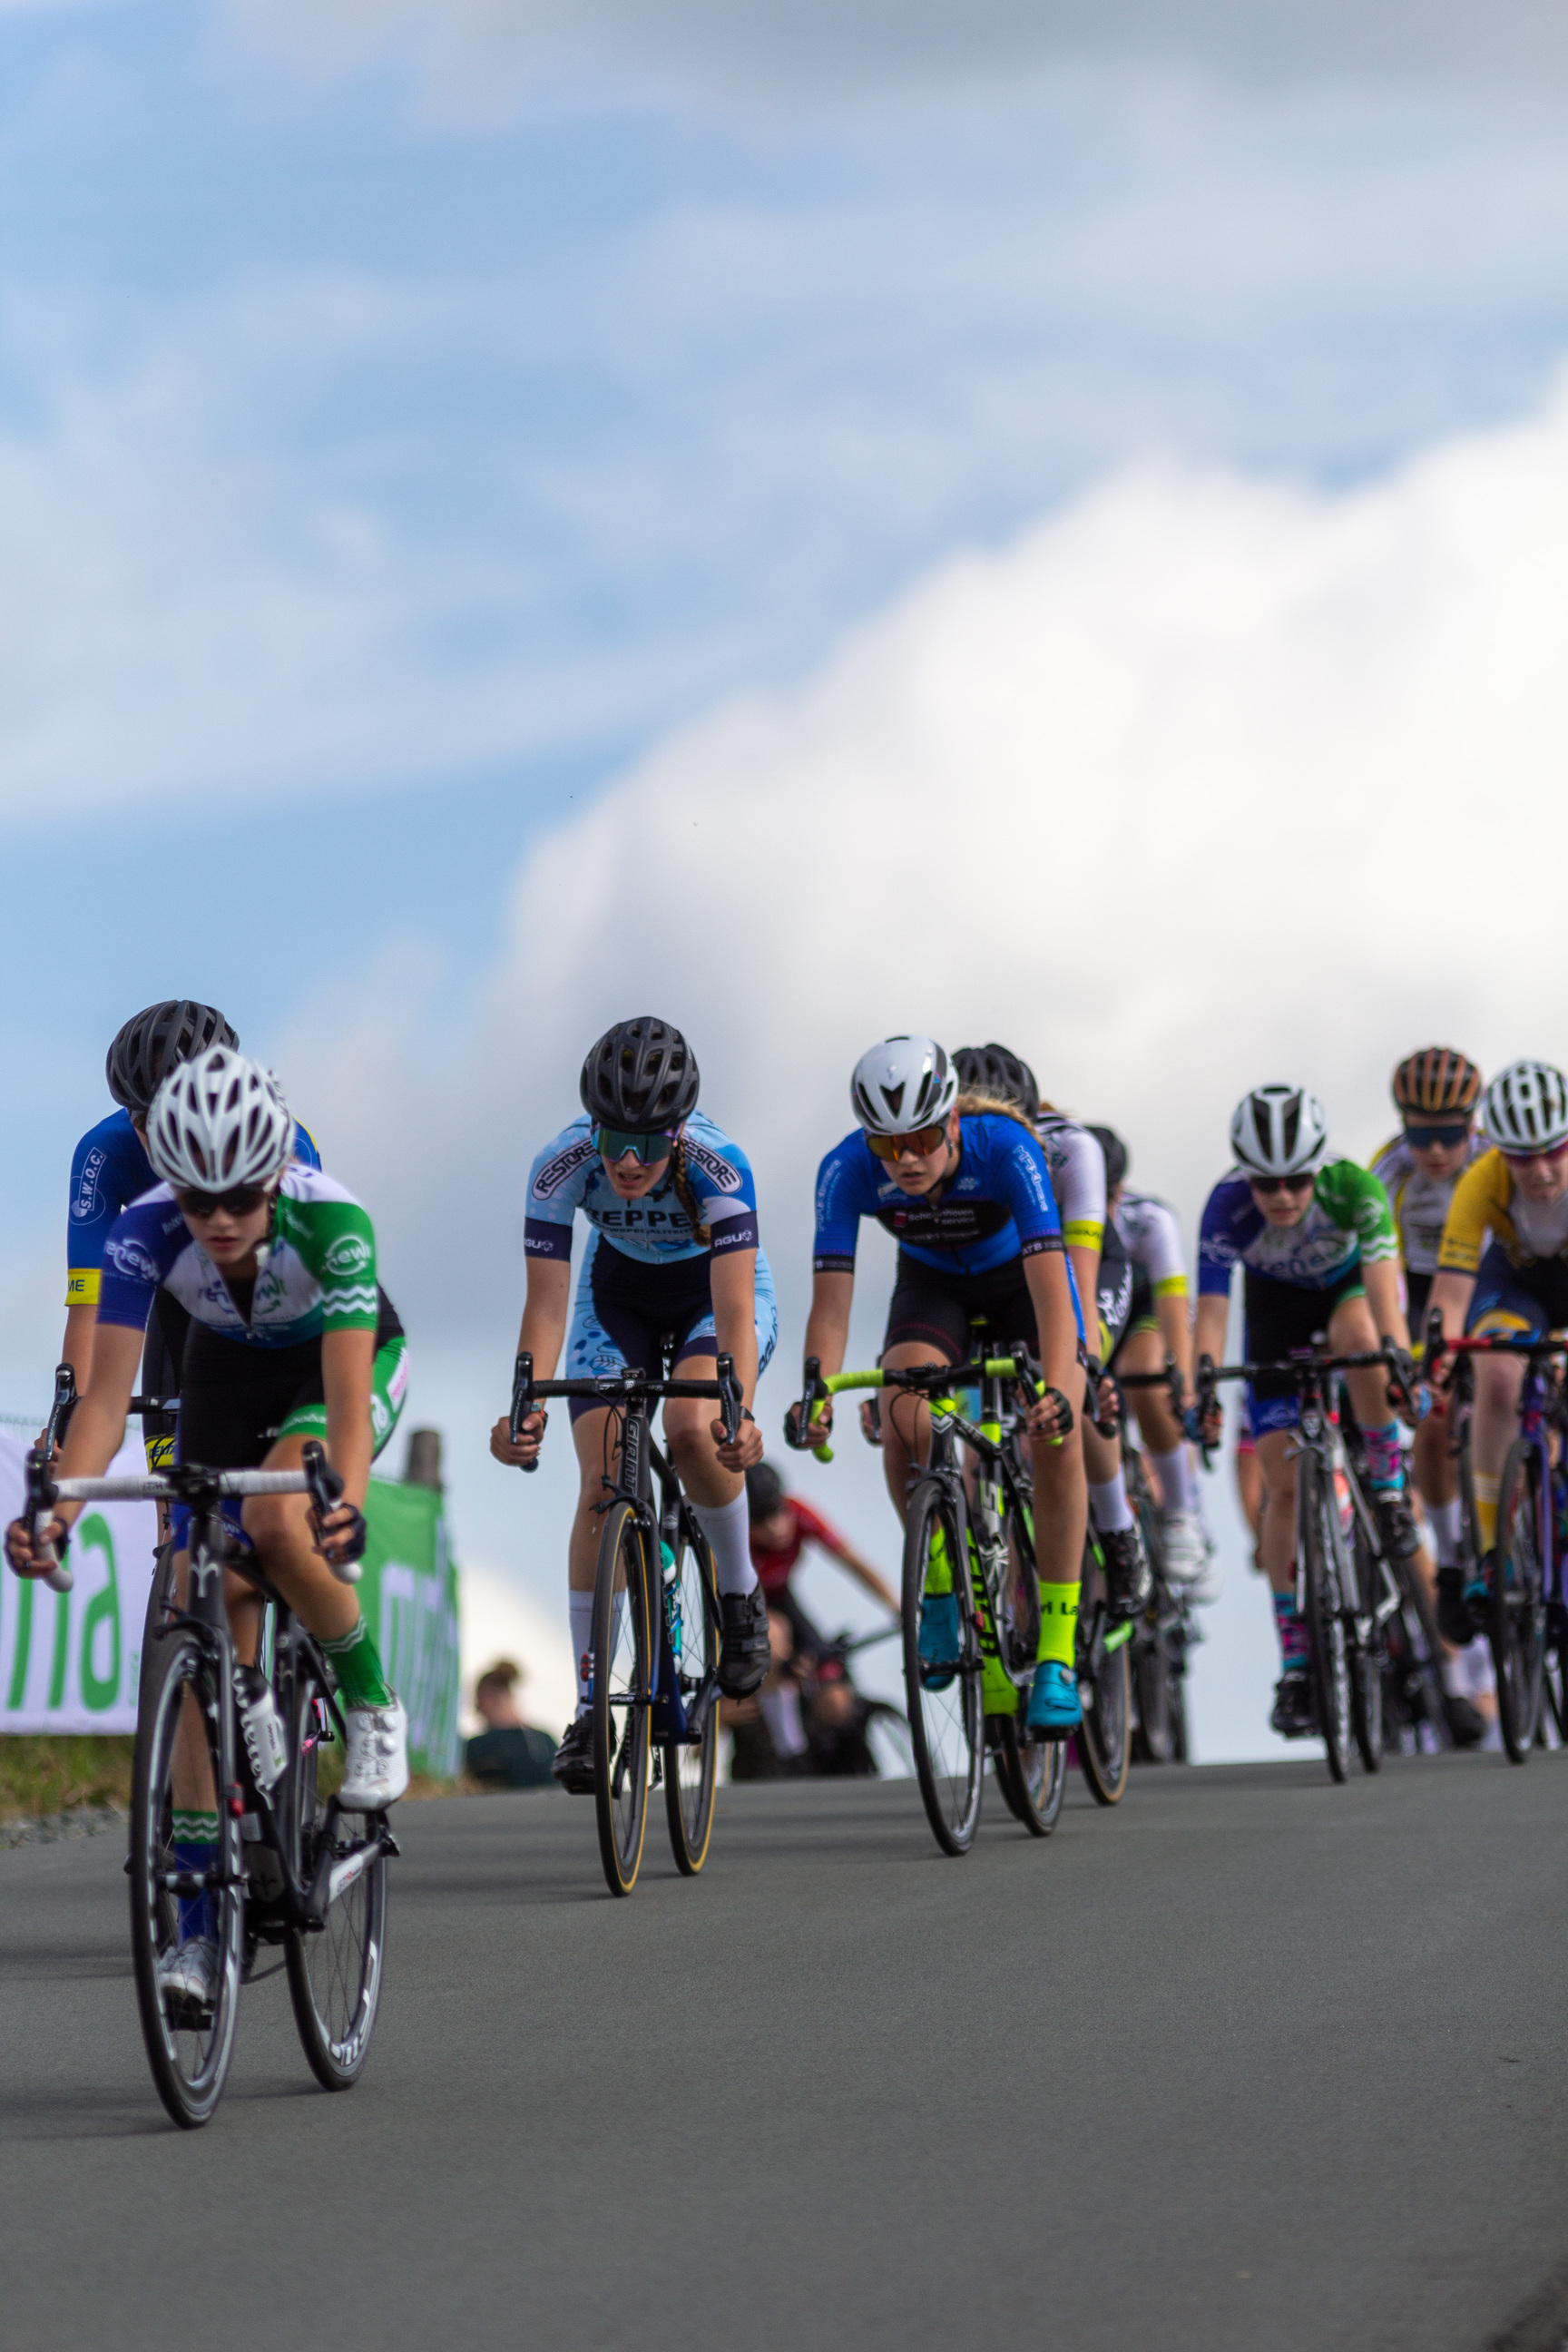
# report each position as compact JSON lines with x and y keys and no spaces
{"x":1346,"y":1591}
{"x":1526,"y":1591}
{"x":245,"y":1744}
{"x":977,"y":1551}
{"x":161,"y":1596}
{"x":657,"y":1624}
{"x":1168,"y":1627}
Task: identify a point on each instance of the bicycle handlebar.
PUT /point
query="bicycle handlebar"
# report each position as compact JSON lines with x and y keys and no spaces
{"x":182,"y":1482}
{"x":631,"y":1387}
{"x":1018,"y":1366}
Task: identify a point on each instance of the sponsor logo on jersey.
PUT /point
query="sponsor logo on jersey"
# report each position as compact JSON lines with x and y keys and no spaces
{"x":399,"y":1380}
{"x":719,"y":1172}
{"x":127,"y":1255}
{"x":559,"y":1171}
{"x":350,"y":1254}
{"x":85,"y":1200}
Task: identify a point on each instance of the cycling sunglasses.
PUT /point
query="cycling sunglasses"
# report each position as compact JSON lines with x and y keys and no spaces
{"x":1523,"y":1158}
{"x":614,"y":1142}
{"x":922,"y":1142}
{"x":1269,"y":1186}
{"x":242,"y":1201}
{"x":1422,"y":1136}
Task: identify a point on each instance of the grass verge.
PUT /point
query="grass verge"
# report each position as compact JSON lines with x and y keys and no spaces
{"x":41,"y":1773}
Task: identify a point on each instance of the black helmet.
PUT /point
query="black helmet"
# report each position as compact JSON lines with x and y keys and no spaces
{"x":641,"y":1075}
{"x":1115,"y":1152}
{"x":155,"y":1042}
{"x":992,"y":1070}
{"x":765,"y":1490}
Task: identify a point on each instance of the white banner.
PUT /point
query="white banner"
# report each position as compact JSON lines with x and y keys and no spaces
{"x":70,"y":1661}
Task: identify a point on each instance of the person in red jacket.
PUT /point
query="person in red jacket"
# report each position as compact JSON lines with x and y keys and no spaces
{"x":780,"y":1528}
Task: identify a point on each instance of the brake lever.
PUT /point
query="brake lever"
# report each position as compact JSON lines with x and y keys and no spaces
{"x":42,"y":1497}
{"x":730,"y":1403}
{"x":522,"y":1398}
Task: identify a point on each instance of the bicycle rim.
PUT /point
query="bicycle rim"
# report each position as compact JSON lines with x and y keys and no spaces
{"x":1038,"y":1775}
{"x":945,"y":1726}
{"x":1155,"y":1738}
{"x":1018,"y":1619}
{"x":691,"y":1767}
{"x":1517,"y":1619}
{"x":623,"y":1693}
{"x":1105,"y":1743}
{"x":1326,"y":1627}
{"x":188,"y":2051}
{"x":335,"y":1971}
{"x":1366,"y":1664}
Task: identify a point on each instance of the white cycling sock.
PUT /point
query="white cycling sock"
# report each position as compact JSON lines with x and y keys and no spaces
{"x":1178,"y":1479}
{"x":781,"y":1713}
{"x":582,"y":1607}
{"x":1445,"y":1523}
{"x":1110,"y":1506}
{"x":728,"y":1527}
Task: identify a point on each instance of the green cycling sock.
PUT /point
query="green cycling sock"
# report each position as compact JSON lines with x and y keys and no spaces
{"x":356,"y":1662}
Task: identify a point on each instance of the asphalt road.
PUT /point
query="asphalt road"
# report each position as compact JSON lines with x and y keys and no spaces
{"x":1252,"y":2063}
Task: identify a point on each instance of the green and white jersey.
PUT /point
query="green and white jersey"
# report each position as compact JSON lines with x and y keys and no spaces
{"x":317,"y":1273}
{"x":1347,"y":1223}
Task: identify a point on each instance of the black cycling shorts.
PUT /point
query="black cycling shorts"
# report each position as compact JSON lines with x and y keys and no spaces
{"x":935,"y":1309}
{"x":1280,"y":1316}
{"x":234,"y":1398}
{"x":636,"y":1315}
{"x":1115,"y":1291}
{"x":168,"y":1327}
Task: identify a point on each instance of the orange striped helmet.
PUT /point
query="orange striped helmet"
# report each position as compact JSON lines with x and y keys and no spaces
{"x":1435,"y":1080}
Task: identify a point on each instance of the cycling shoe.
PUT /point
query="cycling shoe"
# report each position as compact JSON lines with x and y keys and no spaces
{"x":1454,"y":1620}
{"x":572,"y":1763}
{"x":1295,"y":1714}
{"x":744,"y":1654}
{"x":941,"y":1638}
{"x":1054,"y":1708}
{"x":1129,"y":1581}
{"x":1466,"y":1724}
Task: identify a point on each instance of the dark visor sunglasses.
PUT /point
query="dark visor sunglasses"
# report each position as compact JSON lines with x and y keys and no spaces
{"x":1269,"y":1186}
{"x":922,"y":1142}
{"x":242,"y":1201}
{"x":614,"y":1142}
{"x":1424,"y":1136}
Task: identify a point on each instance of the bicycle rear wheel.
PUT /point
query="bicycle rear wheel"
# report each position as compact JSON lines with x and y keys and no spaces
{"x":690,"y":1767}
{"x":1326,"y":1640}
{"x":1105,"y":1686}
{"x":623,"y":1697}
{"x":1036,"y":1775}
{"x":1367,"y":1657}
{"x":334,"y":1970}
{"x":189,"y":2035}
{"x":946,"y":1729}
{"x":1517,"y":1623}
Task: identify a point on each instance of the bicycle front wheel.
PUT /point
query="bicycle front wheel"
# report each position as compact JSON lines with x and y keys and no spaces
{"x":946,"y":1728}
{"x":334,"y":1970}
{"x":1105,"y":1687}
{"x":1326,"y":1637}
{"x":184,"y":1882}
{"x":1036,"y":1775}
{"x":690,"y":1598}
{"x":1518,"y":1615}
{"x":623,"y":1697}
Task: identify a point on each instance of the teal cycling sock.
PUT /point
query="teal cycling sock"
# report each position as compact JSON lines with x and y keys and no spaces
{"x":1291,"y":1627}
{"x":356,"y":1662}
{"x":1385,"y":1457}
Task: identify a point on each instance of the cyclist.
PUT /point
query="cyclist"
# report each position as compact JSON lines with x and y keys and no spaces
{"x":993,"y":1075}
{"x":1518,"y":1283}
{"x":290,"y":1339}
{"x":1435,"y":1092}
{"x":1316,"y":1238}
{"x":673,"y":1257}
{"x":110,"y":1168}
{"x":965,"y":1191}
{"x":1159,"y":1325}
{"x":782,"y":1527}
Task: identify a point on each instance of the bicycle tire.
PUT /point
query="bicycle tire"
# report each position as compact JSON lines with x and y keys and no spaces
{"x":622,"y":1697}
{"x":1517,"y":1615}
{"x":1104,"y":1744}
{"x":1154,"y":1736}
{"x":1366,"y":1663}
{"x":1423,"y":1695}
{"x":189,"y":2062}
{"x":1018,"y":1618}
{"x":691,"y":1770}
{"x":1037,"y":1772}
{"x":946,"y":1726}
{"x":1326,"y":1643}
{"x":335,"y":1971}
{"x":160,"y":1605}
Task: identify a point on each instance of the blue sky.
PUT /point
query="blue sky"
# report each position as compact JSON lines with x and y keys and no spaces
{"x":412,"y":419}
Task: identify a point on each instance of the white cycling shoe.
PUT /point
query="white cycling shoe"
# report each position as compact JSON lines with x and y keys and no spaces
{"x":187,"y":1978}
{"x":377,"y":1742}
{"x":1189,"y":1556}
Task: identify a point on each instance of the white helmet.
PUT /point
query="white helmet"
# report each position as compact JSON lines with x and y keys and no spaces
{"x":218,"y":1121}
{"x":1526,"y":1109}
{"x":1279,"y":1130}
{"x":903,"y":1083}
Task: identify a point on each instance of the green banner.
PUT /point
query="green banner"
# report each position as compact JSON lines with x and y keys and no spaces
{"x":409,"y":1595}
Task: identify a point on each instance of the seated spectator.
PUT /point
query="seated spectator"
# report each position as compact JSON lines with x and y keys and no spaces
{"x":509,"y":1753}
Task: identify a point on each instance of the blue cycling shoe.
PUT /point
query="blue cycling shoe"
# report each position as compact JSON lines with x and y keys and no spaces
{"x":940,"y":1640}
{"x":1053,"y":1707}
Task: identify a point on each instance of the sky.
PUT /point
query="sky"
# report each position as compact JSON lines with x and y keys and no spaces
{"x":1035,"y":522}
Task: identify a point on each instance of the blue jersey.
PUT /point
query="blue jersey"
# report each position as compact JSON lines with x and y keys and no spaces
{"x":569,"y":1176}
{"x":109,"y":1170}
{"x":998,"y":1206}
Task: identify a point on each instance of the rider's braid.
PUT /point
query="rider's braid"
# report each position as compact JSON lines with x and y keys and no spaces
{"x":680,"y":1176}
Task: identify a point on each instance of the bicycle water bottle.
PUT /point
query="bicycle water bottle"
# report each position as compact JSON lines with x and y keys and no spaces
{"x":260,"y":1727}
{"x":1347,"y":1505}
